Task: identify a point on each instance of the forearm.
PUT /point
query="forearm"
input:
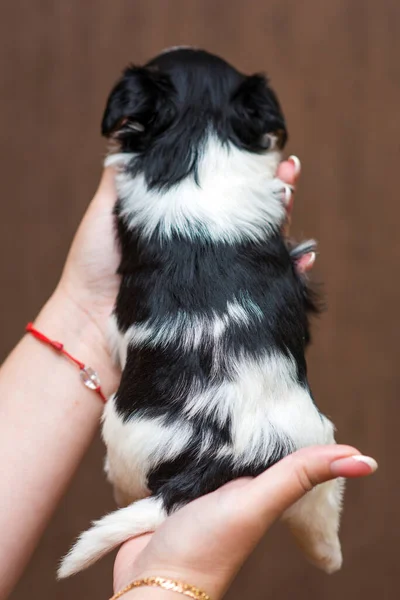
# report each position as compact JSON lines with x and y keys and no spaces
{"x":47,"y":420}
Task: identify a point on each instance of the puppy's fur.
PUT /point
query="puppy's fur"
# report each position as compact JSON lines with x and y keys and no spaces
{"x":212,"y":319}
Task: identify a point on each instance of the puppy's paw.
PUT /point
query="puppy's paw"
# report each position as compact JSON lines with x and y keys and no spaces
{"x":327,"y":557}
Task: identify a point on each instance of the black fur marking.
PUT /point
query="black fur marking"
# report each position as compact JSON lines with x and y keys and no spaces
{"x":186,"y":478}
{"x":179,"y":97}
{"x":256,"y":110}
{"x":161,"y":278}
{"x":157,"y":382}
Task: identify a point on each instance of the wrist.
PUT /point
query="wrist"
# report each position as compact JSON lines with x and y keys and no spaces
{"x":213,"y":584}
{"x":63,"y":320}
{"x":150,"y":593}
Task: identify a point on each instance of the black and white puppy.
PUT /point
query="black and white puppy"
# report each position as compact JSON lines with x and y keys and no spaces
{"x":211,"y":321}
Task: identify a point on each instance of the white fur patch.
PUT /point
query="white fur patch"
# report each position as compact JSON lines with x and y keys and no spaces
{"x":238,"y":197}
{"x":264,"y":403}
{"x":261,"y":399}
{"x":191,"y":330}
{"x":118,"y":159}
{"x":135,"y":447}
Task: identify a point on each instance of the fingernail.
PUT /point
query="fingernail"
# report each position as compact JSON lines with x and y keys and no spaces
{"x":311,"y":259}
{"x":349,"y":466}
{"x":288,"y":194}
{"x":297,"y":164}
{"x":367,"y":460}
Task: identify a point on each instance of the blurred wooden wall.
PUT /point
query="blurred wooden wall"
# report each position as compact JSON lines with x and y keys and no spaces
{"x":335,"y":66}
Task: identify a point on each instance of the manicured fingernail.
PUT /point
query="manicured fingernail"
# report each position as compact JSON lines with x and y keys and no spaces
{"x":367,"y":460}
{"x":297,"y":164}
{"x":288,"y":194}
{"x":350,"y":466}
{"x":311,"y":259}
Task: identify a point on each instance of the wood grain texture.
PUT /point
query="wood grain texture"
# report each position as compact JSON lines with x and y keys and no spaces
{"x":335,"y":67}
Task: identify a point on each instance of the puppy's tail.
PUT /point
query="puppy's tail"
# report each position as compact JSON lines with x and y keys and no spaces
{"x":111,"y":531}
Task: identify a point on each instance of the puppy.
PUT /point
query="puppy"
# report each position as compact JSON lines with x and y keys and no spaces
{"x":211,"y":321}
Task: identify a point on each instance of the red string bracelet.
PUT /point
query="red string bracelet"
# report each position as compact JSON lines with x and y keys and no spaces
{"x":88,"y":375}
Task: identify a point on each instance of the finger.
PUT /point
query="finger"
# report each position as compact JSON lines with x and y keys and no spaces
{"x":288,"y":205}
{"x":297,"y":165}
{"x":286,"y":173}
{"x":306,"y":262}
{"x":288,"y":221}
{"x":287,"y":481}
{"x":289,"y":170}
{"x":288,"y":199}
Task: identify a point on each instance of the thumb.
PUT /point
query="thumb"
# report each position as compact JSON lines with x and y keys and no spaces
{"x":275,"y":490}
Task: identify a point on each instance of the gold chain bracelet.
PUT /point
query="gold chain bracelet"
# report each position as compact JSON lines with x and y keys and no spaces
{"x":166,"y":584}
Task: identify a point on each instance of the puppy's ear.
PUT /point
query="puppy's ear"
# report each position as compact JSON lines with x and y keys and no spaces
{"x":257,"y":118}
{"x":141,"y":99}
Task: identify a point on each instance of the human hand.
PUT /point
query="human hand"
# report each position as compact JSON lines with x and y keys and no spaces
{"x":289,"y":172}
{"x":206,"y":542}
{"x":89,"y":277}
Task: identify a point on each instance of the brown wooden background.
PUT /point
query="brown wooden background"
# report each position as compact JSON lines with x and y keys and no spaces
{"x":336,"y":67}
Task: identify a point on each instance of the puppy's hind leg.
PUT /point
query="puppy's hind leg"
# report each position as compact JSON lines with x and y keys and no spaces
{"x":314,"y":520}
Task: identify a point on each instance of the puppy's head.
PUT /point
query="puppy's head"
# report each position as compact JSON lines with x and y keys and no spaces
{"x":165,"y":111}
